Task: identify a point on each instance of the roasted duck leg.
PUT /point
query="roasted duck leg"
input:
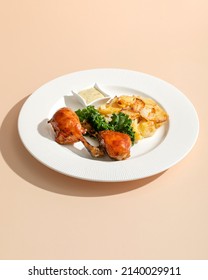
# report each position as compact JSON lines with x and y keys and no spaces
{"x":116,"y":144}
{"x":69,"y":130}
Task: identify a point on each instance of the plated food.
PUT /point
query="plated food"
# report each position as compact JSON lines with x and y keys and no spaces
{"x":169,"y":144}
{"x":117,"y":124}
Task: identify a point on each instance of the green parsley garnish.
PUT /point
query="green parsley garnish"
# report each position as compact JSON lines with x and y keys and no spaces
{"x":119,"y":122}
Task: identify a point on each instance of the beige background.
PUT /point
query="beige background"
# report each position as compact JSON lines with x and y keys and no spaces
{"x":45,"y":215}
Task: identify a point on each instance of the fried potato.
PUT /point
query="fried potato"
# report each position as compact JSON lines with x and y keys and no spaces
{"x":145,"y":113}
{"x":146,"y":128}
{"x":129,"y":104}
{"x":153,"y":113}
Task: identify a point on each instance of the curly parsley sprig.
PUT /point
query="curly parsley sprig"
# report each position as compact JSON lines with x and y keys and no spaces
{"x":119,"y":122}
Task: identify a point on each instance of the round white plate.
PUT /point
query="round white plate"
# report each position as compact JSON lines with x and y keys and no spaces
{"x":150,"y":156}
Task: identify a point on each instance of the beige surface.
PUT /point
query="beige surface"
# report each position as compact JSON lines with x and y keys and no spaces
{"x":45,"y":215}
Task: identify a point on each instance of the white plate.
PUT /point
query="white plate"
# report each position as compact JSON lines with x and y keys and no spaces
{"x":150,"y":156}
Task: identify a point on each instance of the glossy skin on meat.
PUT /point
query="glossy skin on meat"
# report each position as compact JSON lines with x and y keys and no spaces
{"x":116,"y":144}
{"x":67,"y":126}
{"x":69,"y":130}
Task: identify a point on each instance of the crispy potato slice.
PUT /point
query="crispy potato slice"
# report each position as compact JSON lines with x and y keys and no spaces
{"x":145,"y":113}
